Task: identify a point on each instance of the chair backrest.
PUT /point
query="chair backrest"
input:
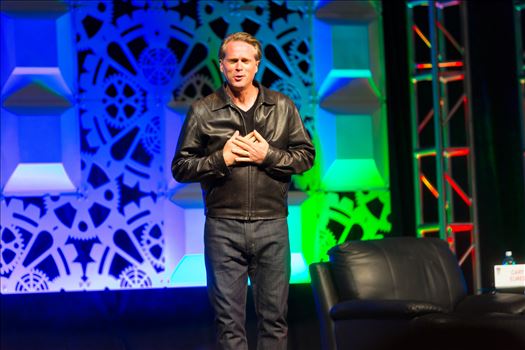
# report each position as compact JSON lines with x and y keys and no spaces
{"x":400,"y":268}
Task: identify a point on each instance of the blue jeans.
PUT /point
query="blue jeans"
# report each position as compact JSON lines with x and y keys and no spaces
{"x":234,"y":250}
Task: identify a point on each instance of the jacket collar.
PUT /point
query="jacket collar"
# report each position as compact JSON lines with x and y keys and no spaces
{"x":223,"y":99}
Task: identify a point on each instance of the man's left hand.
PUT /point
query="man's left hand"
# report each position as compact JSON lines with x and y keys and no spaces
{"x":254,"y":148}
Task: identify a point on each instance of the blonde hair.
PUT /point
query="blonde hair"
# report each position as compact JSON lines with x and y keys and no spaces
{"x":241,"y":36}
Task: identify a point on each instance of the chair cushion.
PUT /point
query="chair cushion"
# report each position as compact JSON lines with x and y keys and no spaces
{"x":377,"y":309}
{"x":475,"y":331}
{"x":401,"y":268}
{"x":498,"y":302}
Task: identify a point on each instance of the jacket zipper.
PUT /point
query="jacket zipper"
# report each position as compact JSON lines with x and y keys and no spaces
{"x":249,"y":192}
{"x":249,"y":209}
{"x":250,"y":168}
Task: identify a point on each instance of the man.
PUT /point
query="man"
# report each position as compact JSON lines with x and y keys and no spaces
{"x":242,"y":143}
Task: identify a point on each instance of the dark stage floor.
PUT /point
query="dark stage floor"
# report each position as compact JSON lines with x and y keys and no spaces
{"x":157,"y":319}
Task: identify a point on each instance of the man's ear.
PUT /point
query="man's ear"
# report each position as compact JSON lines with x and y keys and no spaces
{"x":220,"y":66}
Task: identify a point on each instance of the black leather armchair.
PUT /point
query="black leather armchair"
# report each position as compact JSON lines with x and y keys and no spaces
{"x":408,"y":293}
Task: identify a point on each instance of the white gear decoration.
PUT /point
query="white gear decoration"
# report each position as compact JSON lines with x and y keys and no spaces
{"x":159,"y":65}
{"x":148,"y":242}
{"x":11,"y":248}
{"x":151,"y":136}
{"x":133,"y":277}
{"x":99,"y":10}
{"x":34,"y":281}
{"x":118,"y":89}
{"x":233,"y":12}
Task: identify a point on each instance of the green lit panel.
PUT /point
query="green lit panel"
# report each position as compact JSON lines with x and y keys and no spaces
{"x":353,"y":152}
{"x":351,"y":123}
{"x":352,"y":197}
{"x":330,"y":218}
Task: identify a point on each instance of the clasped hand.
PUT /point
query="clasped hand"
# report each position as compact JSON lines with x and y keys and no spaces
{"x":251,"y":148}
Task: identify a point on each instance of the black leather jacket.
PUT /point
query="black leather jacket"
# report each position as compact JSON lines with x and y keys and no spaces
{"x":244,"y":192}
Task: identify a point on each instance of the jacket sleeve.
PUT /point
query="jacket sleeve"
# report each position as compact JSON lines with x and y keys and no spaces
{"x":299,"y":156}
{"x":190,"y":163}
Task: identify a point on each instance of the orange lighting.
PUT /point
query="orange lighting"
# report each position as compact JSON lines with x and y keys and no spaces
{"x":429,"y":186}
{"x":421,"y":35}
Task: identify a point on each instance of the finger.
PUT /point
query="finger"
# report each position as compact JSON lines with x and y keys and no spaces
{"x":258,"y":136}
{"x":240,"y":152}
{"x":243,"y":160}
{"x":246,"y":145}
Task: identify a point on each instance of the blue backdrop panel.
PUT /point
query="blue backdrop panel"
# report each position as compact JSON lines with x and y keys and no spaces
{"x":94,"y":94}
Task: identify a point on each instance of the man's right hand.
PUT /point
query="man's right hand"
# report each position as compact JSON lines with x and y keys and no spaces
{"x":227,"y":151}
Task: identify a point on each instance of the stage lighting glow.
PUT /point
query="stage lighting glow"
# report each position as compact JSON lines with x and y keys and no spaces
{"x":50,"y":177}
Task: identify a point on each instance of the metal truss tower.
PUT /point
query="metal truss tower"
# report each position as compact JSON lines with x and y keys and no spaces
{"x":442,"y":142}
{"x":519,"y":6}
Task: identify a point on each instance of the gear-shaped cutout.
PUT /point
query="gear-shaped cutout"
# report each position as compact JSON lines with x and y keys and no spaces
{"x":159,"y":65}
{"x":325,"y":240}
{"x":93,"y":18}
{"x":123,"y":101}
{"x":381,"y":220}
{"x":196,"y":87}
{"x":133,"y":277}
{"x":151,"y":136}
{"x":152,"y":243}
{"x":300,"y":57}
{"x":11,"y":248}
{"x":236,"y":12}
{"x":34,"y":281}
{"x":289,"y":90}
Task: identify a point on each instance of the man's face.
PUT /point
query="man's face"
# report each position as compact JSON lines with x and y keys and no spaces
{"x":239,"y":65}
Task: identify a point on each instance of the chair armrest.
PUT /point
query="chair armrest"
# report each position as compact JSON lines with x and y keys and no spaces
{"x":506,"y":303}
{"x":361,"y":309}
{"x":323,"y":286}
{"x":325,"y":296}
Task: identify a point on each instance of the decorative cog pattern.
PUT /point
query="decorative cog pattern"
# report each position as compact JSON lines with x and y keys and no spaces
{"x":153,"y":243}
{"x":123,"y":102}
{"x":134,"y":57}
{"x":288,"y":89}
{"x":34,"y":281}
{"x":95,"y":17}
{"x":378,"y":205}
{"x":11,"y":248}
{"x":151,"y":137}
{"x":132,"y":277}
{"x":343,"y":218}
{"x":158,"y":65}
{"x":325,"y":241}
{"x":301,"y":59}
{"x":195,"y":88}
{"x":232,"y":12}
{"x":81,"y":218}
